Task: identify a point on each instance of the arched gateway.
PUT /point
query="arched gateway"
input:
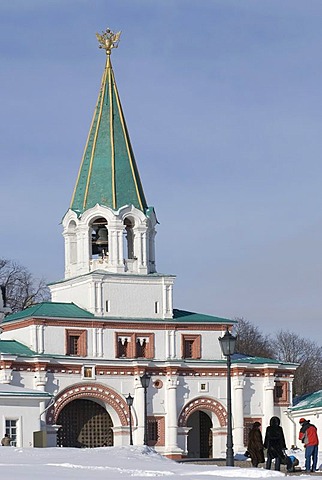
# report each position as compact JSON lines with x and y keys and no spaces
{"x":88,"y":414}
{"x":204,"y":421}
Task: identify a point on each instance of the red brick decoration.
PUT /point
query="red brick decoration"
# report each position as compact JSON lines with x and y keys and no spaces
{"x":203,"y":403}
{"x":88,"y":390}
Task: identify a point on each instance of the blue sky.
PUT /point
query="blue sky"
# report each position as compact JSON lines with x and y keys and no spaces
{"x":223,"y":103}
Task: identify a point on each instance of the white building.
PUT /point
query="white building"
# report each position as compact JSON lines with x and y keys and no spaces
{"x":112,"y":319}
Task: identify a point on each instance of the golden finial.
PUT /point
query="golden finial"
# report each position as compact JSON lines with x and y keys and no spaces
{"x":108,"y":40}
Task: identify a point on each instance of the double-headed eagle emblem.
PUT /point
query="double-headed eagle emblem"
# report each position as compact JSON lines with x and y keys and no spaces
{"x":108,"y":40}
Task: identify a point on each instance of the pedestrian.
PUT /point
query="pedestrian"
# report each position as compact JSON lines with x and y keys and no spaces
{"x":275,"y":443}
{"x":255,"y":445}
{"x":309,"y":436}
{"x":5,"y":442}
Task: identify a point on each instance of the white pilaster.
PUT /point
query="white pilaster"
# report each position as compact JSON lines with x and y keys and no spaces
{"x":238,"y":412}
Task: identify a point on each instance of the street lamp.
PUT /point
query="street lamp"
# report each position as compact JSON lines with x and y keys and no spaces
{"x":129,"y":400}
{"x":228,"y":344}
{"x":145,"y":381}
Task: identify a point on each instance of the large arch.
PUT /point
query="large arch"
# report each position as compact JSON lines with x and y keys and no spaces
{"x":203,"y":403}
{"x":90,"y":391}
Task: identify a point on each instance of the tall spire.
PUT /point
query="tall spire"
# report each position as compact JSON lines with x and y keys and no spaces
{"x":108,"y":174}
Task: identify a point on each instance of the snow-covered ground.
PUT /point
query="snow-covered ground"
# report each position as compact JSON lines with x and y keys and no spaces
{"x":113,"y":463}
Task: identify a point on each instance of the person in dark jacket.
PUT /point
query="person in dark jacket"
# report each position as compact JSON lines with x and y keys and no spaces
{"x":309,"y":436}
{"x":275,"y":443}
{"x":255,"y":445}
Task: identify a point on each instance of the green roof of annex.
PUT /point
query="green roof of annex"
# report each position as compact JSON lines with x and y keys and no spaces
{"x":70,"y":310}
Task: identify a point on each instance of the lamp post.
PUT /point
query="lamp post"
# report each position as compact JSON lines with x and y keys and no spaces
{"x":129,"y":400}
{"x":228,"y":344}
{"x":145,"y":381}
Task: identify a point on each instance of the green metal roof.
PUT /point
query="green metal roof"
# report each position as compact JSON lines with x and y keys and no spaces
{"x":15,"y":348}
{"x":70,"y":310}
{"x":50,"y":309}
{"x":108,"y":173}
{"x":314,"y":400}
{"x":7,"y":390}
{"x":192,"y":317}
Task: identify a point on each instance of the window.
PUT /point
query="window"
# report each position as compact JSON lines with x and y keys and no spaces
{"x":107,"y":305}
{"x":134,"y":345}
{"x":156,"y":307}
{"x":11,"y":431}
{"x":123,"y":347}
{"x":281,"y":393}
{"x":156,"y":430}
{"x":141,"y":348}
{"x":76,"y":343}
{"x":191,"y":346}
{"x":203,"y":387}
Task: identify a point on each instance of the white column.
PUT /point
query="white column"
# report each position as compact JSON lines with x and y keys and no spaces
{"x":152,"y":260}
{"x":83,"y":249}
{"x":138,"y":404}
{"x":40,"y":336}
{"x":171,"y":420}
{"x":268,"y":400}
{"x":238,"y":412}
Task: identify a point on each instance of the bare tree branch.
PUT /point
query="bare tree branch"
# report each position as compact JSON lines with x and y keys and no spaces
{"x":22,"y":289}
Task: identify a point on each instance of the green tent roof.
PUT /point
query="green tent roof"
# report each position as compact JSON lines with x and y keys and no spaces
{"x":108,"y":173}
{"x":50,"y":309}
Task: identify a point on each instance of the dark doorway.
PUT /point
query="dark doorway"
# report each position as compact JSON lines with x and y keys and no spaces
{"x":200,"y":435}
{"x":84,"y":424}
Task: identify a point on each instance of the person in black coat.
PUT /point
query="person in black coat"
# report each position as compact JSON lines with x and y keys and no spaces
{"x":275,"y":443}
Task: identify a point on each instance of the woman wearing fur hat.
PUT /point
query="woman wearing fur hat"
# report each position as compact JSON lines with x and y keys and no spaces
{"x":255,"y":445}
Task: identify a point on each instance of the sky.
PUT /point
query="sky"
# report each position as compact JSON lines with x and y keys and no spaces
{"x":222,"y":99}
{"x":113,"y":463}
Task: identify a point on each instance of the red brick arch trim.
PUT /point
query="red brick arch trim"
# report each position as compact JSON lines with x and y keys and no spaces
{"x":89,"y":390}
{"x":203,"y":403}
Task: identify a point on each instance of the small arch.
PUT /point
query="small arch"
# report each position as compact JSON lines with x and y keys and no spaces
{"x":203,"y":403}
{"x":71,"y":226}
{"x":119,"y":409}
{"x":128,"y":238}
{"x":99,"y":237}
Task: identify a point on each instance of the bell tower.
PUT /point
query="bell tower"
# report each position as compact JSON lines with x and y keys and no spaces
{"x":109,"y":230}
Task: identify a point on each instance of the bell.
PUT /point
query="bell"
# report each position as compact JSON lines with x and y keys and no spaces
{"x":102,"y":238}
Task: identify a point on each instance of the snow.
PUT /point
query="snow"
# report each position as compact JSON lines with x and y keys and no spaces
{"x":113,"y":463}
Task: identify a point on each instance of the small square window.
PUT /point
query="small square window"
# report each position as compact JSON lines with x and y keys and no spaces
{"x":203,"y":386}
